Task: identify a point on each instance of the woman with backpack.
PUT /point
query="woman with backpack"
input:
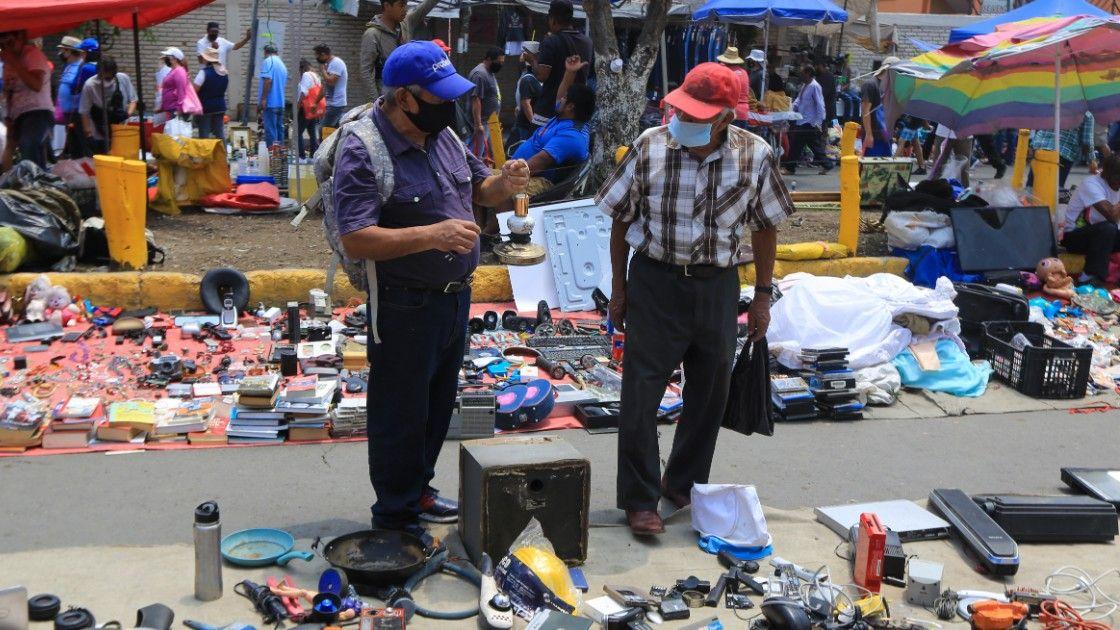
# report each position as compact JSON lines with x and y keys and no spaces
{"x":211,"y":83}
{"x":312,"y":107}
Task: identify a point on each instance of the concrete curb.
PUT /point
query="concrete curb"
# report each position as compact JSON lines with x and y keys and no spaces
{"x":171,"y":291}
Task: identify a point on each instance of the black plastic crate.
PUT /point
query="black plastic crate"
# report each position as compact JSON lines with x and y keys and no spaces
{"x":1048,"y":368}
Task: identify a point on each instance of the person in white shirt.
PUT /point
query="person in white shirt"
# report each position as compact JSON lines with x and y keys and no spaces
{"x":309,"y":83}
{"x":161,"y":74}
{"x":1090,"y":222}
{"x":335,"y":77}
{"x":221,"y":44}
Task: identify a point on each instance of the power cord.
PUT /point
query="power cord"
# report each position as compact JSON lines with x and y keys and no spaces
{"x":1058,"y":615}
{"x":1085,"y":586}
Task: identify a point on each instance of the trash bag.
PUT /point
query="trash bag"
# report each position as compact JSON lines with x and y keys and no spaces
{"x":749,"y":409}
{"x":37,"y":205}
{"x":95,"y":244}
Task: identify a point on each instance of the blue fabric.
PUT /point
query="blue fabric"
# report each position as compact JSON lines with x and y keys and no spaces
{"x":273,"y":68}
{"x":715,"y":544}
{"x":776,"y":12}
{"x":564,"y":140}
{"x":68,"y":89}
{"x":958,"y":375}
{"x":928,"y":263}
{"x":1036,"y":9}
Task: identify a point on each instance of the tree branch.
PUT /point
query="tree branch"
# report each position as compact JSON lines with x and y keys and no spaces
{"x":645,"y":53}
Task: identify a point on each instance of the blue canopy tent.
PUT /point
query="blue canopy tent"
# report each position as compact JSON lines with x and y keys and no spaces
{"x":1036,"y":9}
{"x":767,"y":12}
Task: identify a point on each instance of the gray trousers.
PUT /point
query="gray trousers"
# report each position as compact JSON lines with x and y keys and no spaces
{"x":670,"y":319}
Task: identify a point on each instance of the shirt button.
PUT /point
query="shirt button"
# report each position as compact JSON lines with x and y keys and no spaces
{"x":415,"y":200}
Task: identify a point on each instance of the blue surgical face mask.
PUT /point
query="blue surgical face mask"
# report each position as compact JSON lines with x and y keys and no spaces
{"x":690,"y":134}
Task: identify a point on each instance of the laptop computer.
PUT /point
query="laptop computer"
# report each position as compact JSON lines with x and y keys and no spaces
{"x":1102,"y":483}
{"x":907,"y":519}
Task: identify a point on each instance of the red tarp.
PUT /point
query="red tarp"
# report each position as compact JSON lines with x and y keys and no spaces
{"x":44,"y":17}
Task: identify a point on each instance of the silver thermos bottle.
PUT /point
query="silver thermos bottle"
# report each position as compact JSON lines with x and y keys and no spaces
{"x":207,"y":552}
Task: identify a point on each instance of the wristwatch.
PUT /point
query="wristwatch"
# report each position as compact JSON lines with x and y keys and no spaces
{"x":768,"y":290}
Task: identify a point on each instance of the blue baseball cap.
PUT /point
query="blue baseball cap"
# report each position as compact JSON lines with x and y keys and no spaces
{"x":89,"y":44}
{"x":424,"y":64}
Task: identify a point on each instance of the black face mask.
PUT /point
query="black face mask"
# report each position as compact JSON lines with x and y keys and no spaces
{"x":495,"y":67}
{"x":432,"y":118}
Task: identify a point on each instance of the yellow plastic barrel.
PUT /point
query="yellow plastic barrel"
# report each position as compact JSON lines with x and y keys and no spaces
{"x":126,"y":141}
{"x":306,"y":178}
{"x":123,"y":192}
{"x":1046,"y":167}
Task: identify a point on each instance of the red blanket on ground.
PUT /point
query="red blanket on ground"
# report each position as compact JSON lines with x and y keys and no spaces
{"x":260,"y":196}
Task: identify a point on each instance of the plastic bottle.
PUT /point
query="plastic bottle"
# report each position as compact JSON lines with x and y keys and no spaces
{"x":207,"y":552}
{"x":262,"y":158}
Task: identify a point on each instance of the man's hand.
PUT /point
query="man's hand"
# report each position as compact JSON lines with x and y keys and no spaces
{"x":454,"y":235}
{"x":758,"y":317}
{"x":617,"y":308}
{"x":516,"y":175}
{"x":574,"y":64}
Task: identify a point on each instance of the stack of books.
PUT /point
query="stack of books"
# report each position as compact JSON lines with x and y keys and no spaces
{"x":74,"y":423}
{"x":349,"y":418}
{"x":307,"y":396}
{"x":258,"y":392}
{"x":256,"y":425}
{"x":792,"y":399}
{"x":833,"y":384}
{"x":189,"y":416}
{"x":21,"y":426}
{"x":128,"y":421}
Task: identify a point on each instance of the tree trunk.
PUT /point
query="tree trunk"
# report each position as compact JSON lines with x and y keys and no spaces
{"x":621,"y":96}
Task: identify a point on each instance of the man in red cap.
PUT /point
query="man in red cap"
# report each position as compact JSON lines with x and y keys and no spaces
{"x":682,"y":199}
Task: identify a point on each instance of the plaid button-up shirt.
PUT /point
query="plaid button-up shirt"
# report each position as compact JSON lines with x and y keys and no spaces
{"x":687,"y":211}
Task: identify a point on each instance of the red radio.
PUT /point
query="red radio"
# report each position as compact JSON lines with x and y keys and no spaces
{"x":870,"y":544}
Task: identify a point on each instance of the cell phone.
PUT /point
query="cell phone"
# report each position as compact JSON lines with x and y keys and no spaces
{"x":628,"y":596}
{"x":71,"y":337}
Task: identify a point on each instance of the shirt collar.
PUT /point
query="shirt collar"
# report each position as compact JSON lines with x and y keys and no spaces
{"x":394,"y":140}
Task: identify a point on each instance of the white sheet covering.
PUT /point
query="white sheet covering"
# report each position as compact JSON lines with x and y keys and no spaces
{"x":854,"y":313}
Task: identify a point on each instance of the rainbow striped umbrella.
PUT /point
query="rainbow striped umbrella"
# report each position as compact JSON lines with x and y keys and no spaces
{"x":1031,"y":75}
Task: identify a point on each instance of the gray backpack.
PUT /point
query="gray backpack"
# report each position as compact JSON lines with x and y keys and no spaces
{"x":357,"y":122}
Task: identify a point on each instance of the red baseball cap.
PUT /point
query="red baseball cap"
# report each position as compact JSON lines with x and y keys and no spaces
{"x":708,"y":89}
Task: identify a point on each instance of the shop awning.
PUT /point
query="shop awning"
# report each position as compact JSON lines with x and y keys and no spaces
{"x":44,"y":17}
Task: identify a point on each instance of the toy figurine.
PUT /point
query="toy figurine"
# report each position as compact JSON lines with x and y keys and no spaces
{"x":60,"y":308}
{"x":1055,"y":281}
{"x":35,"y":299}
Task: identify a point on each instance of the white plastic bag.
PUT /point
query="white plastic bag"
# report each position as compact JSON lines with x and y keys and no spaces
{"x":911,"y":230}
{"x":731,"y":512}
{"x":176,"y":127}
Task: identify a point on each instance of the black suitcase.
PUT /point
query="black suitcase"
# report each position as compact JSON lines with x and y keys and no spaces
{"x":1062,"y":519}
{"x":979,"y":303}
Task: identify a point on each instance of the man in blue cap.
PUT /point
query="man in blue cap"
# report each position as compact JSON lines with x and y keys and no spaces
{"x":425,"y":243}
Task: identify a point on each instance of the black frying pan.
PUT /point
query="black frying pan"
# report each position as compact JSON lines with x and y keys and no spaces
{"x":376,"y":557}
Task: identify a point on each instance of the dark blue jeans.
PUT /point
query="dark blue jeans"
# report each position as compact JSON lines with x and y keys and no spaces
{"x":413,"y":384}
{"x":31,"y":132}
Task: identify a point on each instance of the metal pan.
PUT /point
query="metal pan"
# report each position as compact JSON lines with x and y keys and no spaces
{"x":376,"y":557}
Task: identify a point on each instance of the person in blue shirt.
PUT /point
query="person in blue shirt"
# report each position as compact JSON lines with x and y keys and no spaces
{"x":555,"y":150}
{"x":270,"y":104}
{"x":69,"y":92}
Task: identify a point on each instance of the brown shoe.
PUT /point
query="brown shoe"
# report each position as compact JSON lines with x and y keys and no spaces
{"x":644,"y":522}
{"x":681,"y":500}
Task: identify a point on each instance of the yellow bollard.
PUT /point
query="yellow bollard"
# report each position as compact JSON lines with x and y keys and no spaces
{"x":848,"y":138}
{"x":849,"y":203}
{"x":122,"y":188}
{"x":125,"y":141}
{"x":1022,"y":147}
{"x":497,"y":145}
{"x":1045,"y":168}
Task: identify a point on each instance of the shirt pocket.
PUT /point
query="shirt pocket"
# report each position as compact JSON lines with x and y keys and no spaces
{"x":729,"y":207}
{"x":410,"y":202}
